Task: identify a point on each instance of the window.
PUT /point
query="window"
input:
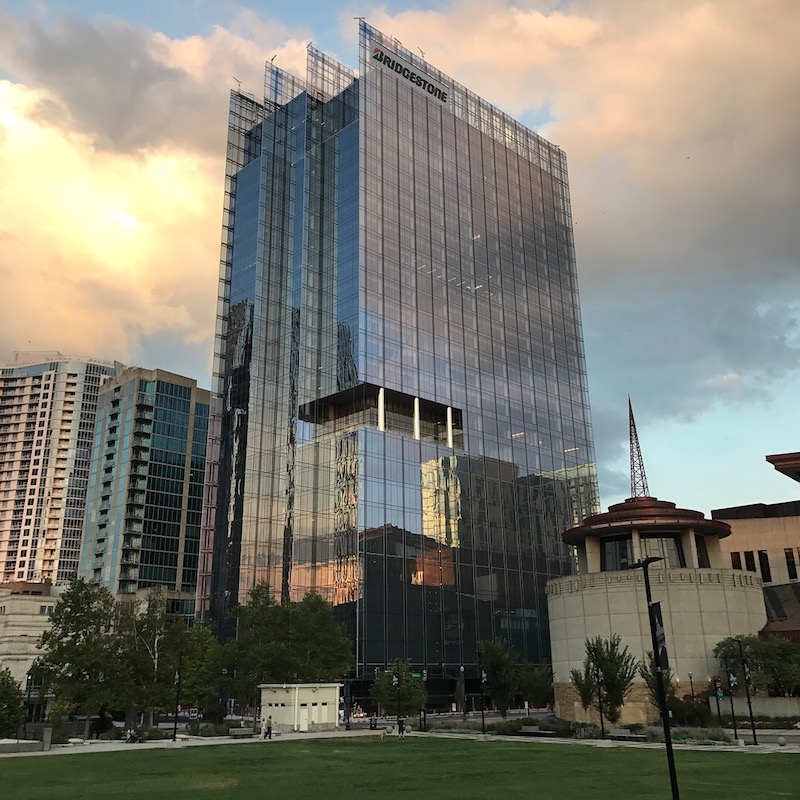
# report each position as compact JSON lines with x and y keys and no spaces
{"x":615,"y":553}
{"x":750,"y":561}
{"x":763,"y":563}
{"x":702,"y":552}
{"x":736,"y":560}
{"x":667,"y":547}
{"x":791,"y":564}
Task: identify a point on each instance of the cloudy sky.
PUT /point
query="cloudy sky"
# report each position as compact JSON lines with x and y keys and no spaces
{"x":681,"y":125}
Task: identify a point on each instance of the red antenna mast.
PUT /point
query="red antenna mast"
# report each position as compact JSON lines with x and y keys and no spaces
{"x":638,"y":478}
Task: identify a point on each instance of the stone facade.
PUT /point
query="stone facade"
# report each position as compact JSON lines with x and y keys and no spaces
{"x":700,"y":607}
{"x":637,"y":707}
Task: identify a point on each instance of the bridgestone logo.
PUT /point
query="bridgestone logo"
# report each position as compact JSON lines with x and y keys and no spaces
{"x":404,"y":70}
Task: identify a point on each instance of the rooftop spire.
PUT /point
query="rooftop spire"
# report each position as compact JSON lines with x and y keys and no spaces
{"x":638,"y":478}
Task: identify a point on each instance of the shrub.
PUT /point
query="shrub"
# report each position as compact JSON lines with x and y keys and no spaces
{"x":508,"y":727}
{"x":636,"y":727}
{"x":215,"y":714}
{"x":112,"y":734}
{"x":211,"y":729}
{"x":559,"y":726}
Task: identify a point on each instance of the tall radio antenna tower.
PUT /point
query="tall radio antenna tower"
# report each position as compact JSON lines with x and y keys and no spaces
{"x":638,"y":478}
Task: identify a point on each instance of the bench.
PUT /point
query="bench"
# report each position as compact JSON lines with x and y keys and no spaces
{"x":627,"y":737}
{"x":529,"y":730}
{"x":240,"y":733}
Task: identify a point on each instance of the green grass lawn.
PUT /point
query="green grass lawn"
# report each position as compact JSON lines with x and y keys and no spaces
{"x":419,"y":768}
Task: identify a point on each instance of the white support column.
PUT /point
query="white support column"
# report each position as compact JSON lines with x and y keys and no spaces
{"x":381,"y":411}
{"x":450,"y":427}
{"x":416,"y":417}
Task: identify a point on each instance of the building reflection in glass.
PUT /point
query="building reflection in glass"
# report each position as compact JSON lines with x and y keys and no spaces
{"x":401,"y":418}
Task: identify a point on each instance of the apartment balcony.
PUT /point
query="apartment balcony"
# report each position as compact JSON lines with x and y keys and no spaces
{"x":131,"y":542}
{"x":140,"y":455}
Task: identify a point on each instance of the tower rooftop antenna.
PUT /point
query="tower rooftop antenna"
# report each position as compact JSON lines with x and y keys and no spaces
{"x":638,"y":478}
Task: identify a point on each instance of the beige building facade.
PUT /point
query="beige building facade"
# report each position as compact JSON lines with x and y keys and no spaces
{"x":24,"y":617}
{"x":702,"y":600}
{"x":48,"y":406}
{"x":765,"y":540}
{"x":300,"y":706}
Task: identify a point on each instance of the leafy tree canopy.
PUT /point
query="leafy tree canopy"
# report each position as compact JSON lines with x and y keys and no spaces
{"x":648,"y":672}
{"x":150,"y":642}
{"x":536,"y":684}
{"x":80,"y":653}
{"x":501,"y":665}
{"x":11,"y":710}
{"x":774,"y":663}
{"x":397,"y":691}
{"x":295,"y":642}
{"x":617,"y":666}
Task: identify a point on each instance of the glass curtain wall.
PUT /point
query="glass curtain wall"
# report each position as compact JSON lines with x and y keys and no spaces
{"x":404,"y":414}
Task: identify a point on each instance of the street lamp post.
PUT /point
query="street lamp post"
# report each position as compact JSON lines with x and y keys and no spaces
{"x":396,"y":682}
{"x":483,"y":693}
{"x":746,"y":676}
{"x":463,"y":694}
{"x":644,"y":566}
{"x":29,"y":686}
{"x":178,"y":676}
{"x":731,"y":687}
{"x":691,"y":686}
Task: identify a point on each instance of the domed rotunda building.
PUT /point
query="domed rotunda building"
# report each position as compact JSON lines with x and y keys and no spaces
{"x":702,"y":602}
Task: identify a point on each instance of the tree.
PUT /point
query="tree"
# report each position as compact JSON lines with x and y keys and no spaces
{"x":618,"y":667}
{"x":151,"y":642}
{"x":80,"y":651}
{"x":397,"y":691}
{"x":536,"y":684}
{"x":260,"y":652}
{"x":501,"y":666}
{"x":585,"y":684}
{"x":295,"y":642}
{"x":320,"y":647}
{"x":12,"y":712}
{"x":202,"y":666}
{"x":774,"y":663}
{"x":648,"y":672}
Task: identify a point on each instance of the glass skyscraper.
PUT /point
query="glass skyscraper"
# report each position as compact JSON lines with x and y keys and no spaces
{"x":145,"y":489}
{"x":400,"y":419}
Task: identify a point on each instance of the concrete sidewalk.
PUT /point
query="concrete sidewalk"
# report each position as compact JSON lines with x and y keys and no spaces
{"x":109,"y":746}
{"x":792,"y":746}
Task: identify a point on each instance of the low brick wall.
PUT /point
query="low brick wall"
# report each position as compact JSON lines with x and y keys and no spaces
{"x":637,"y":708}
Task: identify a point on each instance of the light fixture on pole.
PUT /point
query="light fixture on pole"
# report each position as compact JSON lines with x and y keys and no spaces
{"x":178,"y":676}
{"x":396,"y":682}
{"x":659,"y":659}
{"x":746,"y":673}
{"x":483,"y":693}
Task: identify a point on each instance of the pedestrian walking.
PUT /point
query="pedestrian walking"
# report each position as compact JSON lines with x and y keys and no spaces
{"x":268,"y":728}
{"x":401,"y":728}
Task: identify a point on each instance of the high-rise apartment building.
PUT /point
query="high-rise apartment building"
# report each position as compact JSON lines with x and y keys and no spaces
{"x":145,"y":489}
{"x":400,"y":418}
{"x":48,"y":404}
